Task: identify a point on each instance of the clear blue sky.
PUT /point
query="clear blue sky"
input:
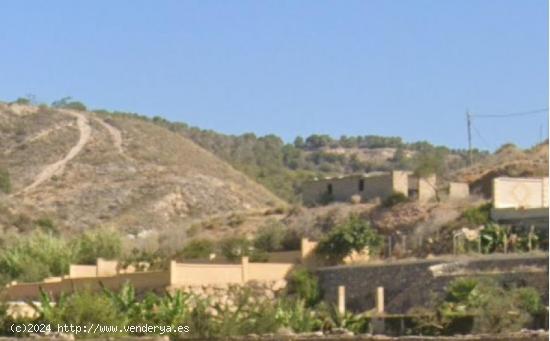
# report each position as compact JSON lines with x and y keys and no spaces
{"x":406,"y":68}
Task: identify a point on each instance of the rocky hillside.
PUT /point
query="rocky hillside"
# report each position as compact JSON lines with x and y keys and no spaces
{"x":508,"y":160}
{"x":81,"y":170}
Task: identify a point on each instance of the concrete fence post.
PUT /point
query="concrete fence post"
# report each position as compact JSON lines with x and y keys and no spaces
{"x":244,"y":269}
{"x":380,"y":300}
{"x":172,"y":272}
{"x":98,"y":266}
{"x":341,"y":299}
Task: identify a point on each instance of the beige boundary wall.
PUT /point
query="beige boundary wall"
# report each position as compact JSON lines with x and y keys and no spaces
{"x":102,"y":268}
{"x":110,"y":275}
{"x":142,"y":281}
{"x":179,"y":275}
{"x":520,"y":193}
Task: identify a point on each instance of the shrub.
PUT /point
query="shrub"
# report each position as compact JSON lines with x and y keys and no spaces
{"x":81,"y":308}
{"x":233,"y":248}
{"x":292,"y":240}
{"x":394,"y":199}
{"x":23,"y":100}
{"x":478,"y":215}
{"x":5,"y":182}
{"x":426,"y":163}
{"x":355,"y":234}
{"x":47,"y":225}
{"x":68,"y":103}
{"x":198,"y":248}
{"x":101,"y":243}
{"x":528,"y":299}
{"x":270,"y":236}
{"x":33,"y":258}
{"x":305,"y":285}
{"x":495,"y":308}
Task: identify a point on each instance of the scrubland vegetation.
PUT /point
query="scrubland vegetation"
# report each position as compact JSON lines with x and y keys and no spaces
{"x":42,"y":251}
{"x":282,"y":167}
{"x":470,"y":305}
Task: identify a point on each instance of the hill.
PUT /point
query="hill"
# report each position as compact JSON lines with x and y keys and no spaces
{"x":81,"y":169}
{"x":282,"y":167}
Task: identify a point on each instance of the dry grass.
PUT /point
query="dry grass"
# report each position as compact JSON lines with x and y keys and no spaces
{"x":155,"y":179}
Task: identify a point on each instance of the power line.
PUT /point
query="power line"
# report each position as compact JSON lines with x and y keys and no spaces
{"x":469,"y":121}
{"x":523,"y":113}
{"x":487,"y":144}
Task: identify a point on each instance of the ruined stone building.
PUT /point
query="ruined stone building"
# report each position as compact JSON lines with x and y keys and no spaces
{"x":378,"y":185}
{"x":368,"y":187}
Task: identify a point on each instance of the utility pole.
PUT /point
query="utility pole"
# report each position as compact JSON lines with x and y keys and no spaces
{"x":469,"y":123}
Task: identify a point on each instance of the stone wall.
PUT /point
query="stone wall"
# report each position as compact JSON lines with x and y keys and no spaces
{"x":378,"y":186}
{"x":414,"y":283}
{"x":459,"y":190}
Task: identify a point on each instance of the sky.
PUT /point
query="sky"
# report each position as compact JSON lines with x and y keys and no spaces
{"x":408,"y":68}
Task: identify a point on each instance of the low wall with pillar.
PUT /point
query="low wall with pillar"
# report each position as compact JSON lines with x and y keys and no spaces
{"x":414,"y":283}
{"x":102,"y":268}
{"x":177,"y":276}
{"x":206,"y":274}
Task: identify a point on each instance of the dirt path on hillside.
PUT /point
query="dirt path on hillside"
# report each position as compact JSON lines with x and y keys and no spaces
{"x":116,"y":135}
{"x":58,"y":166}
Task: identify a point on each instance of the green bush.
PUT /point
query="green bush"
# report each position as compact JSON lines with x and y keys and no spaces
{"x":355,"y":234}
{"x":430,"y":162}
{"x":394,"y":199}
{"x":198,"y":248}
{"x":478,"y":215}
{"x":270,"y":236}
{"x":33,"y":258}
{"x":496,"y":309}
{"x":528,"y":299}
{"x":305,"y":285}
{"x":81,"y":308}
{"x":233,"y":248}
{"x":100,"y":243}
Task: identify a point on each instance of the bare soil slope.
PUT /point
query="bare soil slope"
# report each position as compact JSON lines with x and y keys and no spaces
{"x":83,"y":170}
